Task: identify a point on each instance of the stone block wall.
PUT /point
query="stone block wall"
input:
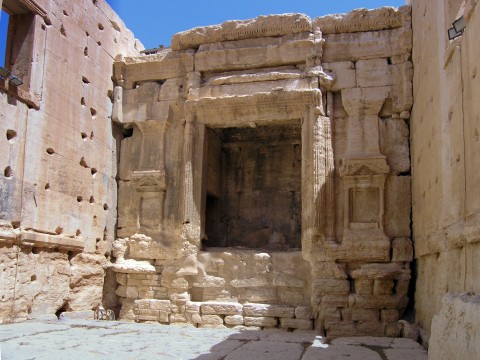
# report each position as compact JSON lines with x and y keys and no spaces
{"x":58,"y":189}
{"x":445,"y":163}
{"x":344,"y":83}
{"x":454,"y":334}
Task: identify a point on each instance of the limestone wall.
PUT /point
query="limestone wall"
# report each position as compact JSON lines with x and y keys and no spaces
{"x":445,"y":147}
{"x":455,"y":328}
{"x":343,"y":84}
{"x":58,"y":188}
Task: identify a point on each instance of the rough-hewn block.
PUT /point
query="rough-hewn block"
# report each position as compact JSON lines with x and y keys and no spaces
{"x":234,"y":320}
{"x":212,"y":308}
{"x":261,"y":321}
{"x":269,"y":310}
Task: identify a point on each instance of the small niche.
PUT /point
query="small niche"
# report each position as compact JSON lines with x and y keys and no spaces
{"x":65,"y":13}
{"x":93,"y":171}
{"x":105,"y":207}
{"x":79,"y":199}
{"x":91,"y":135}
{"x":84,"y":136}
{"x":82,"y":101}
{"x":47,"y":186}
{"x":99,"y":43}
{"x":8,"y":173}
{"x":93,"y":112}
{"x":33,"y":278}
{"x":100,"y":26}
{"x":62,"y":31}
{"x":92,"y":200}
{"x":83,"y":162}
{"x":85,"y":51}
{"x":59,"y":230}
{"x":11,"y":135}
{"x":50,"y":151}
{"x":115,"y":25}
{"x":85,"y":80}
{"x":87,"y":34}
{"x":78,"y":232}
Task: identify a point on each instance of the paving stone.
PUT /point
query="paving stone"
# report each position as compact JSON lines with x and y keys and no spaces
{"x":340,"y":352}
{"x":406,"y":354}
{"x":267,"y":350}
{"x":89,"y":339}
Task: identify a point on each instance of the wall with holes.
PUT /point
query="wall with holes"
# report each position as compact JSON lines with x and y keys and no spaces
{"x":58,"y":146}
{"x":445,"y":163}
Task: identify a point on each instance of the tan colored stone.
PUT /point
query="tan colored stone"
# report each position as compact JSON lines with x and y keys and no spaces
{"x":402,"y":250}
{"x":303,"y":312}
{"x":301,"y":324}
{"x":211,"y":308}
{"x":234,"y":320}
{"x":375,"y":72}
{"x":214,"y":320}
{"x":243,"y":29}
{"x":261,"y":321}
{"x":269,"y":310}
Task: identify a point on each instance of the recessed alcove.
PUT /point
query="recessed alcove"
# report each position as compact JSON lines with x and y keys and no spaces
{"x":253,"y":187}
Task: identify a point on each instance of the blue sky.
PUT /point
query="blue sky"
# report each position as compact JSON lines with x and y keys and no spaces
{"x":155,"y":21}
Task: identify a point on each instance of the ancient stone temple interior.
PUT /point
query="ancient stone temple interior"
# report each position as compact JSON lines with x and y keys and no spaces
{"x":253,"y":187}
{"x":282,"y":172}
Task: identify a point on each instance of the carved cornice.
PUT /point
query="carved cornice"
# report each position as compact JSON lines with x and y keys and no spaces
{"x":363,"y":20}
{"x":34,"y":7}
{"x":149,"y":181}
{"x":262,"y":26}
{"x":364,"y":166}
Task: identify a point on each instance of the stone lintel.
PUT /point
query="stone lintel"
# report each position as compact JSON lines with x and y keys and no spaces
{"x":262,"y":107}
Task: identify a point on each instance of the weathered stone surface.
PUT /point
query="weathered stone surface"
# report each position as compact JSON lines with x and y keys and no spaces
{"x":258,"y":162}
{"x":303,"y":312}
{"x":234,"y":320}
{"x":131,"y":266}
{"x":214,"y":320}
{"x":402,"y":250}
{"x":452,"y":329}
{"x":210,"y":308}
{"x":261,"y":321}
{"x":242,"y":29}
{"x":301,"y":324}
{"x":269,"y":310}
{"x":363,"y":20}
{"x":375,"y":72}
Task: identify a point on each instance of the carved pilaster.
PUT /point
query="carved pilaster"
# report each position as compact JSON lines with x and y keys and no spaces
{"x":143,"y":180}
{"x":193,"y":173}
{"x":363,"y":171}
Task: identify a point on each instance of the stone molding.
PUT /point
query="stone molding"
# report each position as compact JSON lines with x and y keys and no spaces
{"x":262,"y":26}
{"x":362,"y":20}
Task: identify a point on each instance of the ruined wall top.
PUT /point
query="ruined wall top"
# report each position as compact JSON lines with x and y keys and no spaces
{"x":363,"y":20}
{"x":358,"y":20}
{"x":262,"y":26}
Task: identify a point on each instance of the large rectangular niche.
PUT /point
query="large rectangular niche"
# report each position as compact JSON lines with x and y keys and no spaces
{"x":253,"y":187}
